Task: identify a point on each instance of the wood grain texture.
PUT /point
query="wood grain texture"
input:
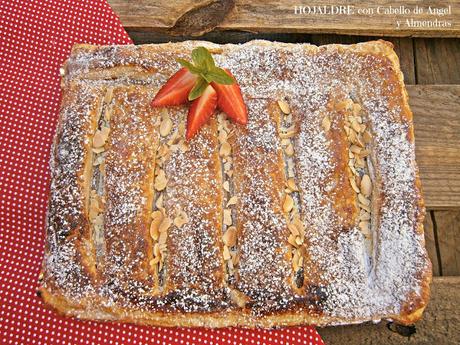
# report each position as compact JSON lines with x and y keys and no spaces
{"x":437,"y":139}
{"x":437,"y":61}
{"x":440,"y":323}
{"x":448,"y":231}
{"x":276,"y":16}
{"x":430,"y":242}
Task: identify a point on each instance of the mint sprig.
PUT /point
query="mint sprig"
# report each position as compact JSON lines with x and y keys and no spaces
{"x":204,"y":66}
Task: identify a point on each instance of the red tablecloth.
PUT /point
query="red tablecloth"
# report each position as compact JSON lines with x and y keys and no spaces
{"x":36,"y":37}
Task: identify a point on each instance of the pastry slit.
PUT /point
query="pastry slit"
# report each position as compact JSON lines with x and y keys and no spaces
{"x":97,"y":197}
{"x":229,"y":200}
{"x":292,"y":204}
{"x":360,"y":166}
{"x":92,"y":201}
{"x":161,"y":218}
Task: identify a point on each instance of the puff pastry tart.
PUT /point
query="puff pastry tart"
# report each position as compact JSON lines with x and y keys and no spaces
{"x":310,"y":214}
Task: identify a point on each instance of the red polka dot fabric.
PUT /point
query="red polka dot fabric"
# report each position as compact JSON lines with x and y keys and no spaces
{"x":36,"y":39}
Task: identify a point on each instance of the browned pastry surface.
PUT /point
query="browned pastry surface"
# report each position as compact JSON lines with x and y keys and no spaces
{"x":311,"y":214}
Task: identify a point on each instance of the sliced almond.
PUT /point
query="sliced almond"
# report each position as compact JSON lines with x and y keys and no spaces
{"x":181,"y":219}
{"x":232,"y":201}
{"x":289,"y":150}
{"x":226,"y":254}
{"x":298,"y":240}
{"x":346,"y":104}
{"x":293,"y":229}
{"x":365,"y":207}
{"x":292,"y":241}
{"x":288,"y":203}
{"x":364,"y":215}
{"x":356,"y":109}
{"x":100,"y":137}
{"x":364,"y":153}
{"x":290,"y":183}
{"x":285,"y":142}
{"x":225,"y":149}
{"x":229,"y":173}
{"x":366,"y":185}
{"x":229,"y":237}
{"x":284,"y":107}
{"x":355,"y":149}
{"x":156,"y":249}
{"x":235,"y":258}
{"x":226,"y":186}
{"x":290,"y":168}
{"x":163,"y":237}
{"x":353,"y":184}
{"x":363,"y":200}
{"x":365,"y":227}
{"x":98,"y":149}
{"x":356,"y":127}
{"x":166,"y":126}
{"x":228,"y":217}
{"x":295,"y":260}
{"x":359,"y":161}
{"x":181,"y":128}
{"x":227,"y":166}
{"x":159,"y":202}
{"x":154,"y":261}
{"x":238,"y":297}
{"x":367,"y":137}
{"x":155,"y":229}
{"x":165,"y":224}
{"x":223,"y":136}
{"x":160,"y":180}
{"x":287,"y":134}
{"x":326,"y":123}
{"x":299,"y":225}
{"x":352,"y":137}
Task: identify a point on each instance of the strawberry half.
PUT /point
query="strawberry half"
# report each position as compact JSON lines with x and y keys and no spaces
{"x":230,"y":100}
{"x":200,"y":111}
{"x":176,"y":89}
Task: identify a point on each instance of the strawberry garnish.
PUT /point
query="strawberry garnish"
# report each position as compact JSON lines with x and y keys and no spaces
{"x":207,"y":86}
{"x":200,"y":111}
{"x":230,"y":100}
{"x":176,"y":89}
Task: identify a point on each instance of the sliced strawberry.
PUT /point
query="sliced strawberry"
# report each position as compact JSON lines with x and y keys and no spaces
{"x":230,"y":101}
{"x":200,"y":111}
{"x":176,"y":89}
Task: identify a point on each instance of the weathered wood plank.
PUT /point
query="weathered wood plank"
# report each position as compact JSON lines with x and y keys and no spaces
{"x":448,"y":230}
{"x":437,"y":138}
{"x":430,"y":242}
{"x":440,"y":323}
{"x":437,"y":61}
{"x":280,"y":16}
{"x":404,"y":48}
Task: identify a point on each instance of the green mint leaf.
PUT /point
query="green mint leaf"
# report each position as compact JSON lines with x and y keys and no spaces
{"x":189,"y":66}
{"x":198,"y":89}
{"x":206,"y":77}
{"x":202,"y":58}
{"x":219,"y":76}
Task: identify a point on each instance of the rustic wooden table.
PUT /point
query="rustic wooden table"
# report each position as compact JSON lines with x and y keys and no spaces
{"x":430,"y":60}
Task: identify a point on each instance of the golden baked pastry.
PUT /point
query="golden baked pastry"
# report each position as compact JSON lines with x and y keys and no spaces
{"x":310,"y":214}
